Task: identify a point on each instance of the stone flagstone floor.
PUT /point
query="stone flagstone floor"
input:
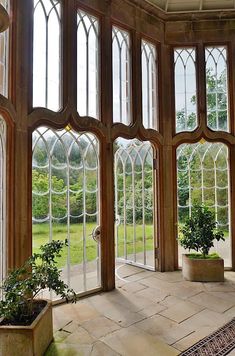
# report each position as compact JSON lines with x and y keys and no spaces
{"x":149,"y":313}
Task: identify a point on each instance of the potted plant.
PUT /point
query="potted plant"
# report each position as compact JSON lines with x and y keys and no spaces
{"x":26,"y":321}
{"x":199,"y":233}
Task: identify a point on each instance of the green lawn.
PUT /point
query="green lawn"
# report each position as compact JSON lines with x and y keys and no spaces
{"x":41,"y":236}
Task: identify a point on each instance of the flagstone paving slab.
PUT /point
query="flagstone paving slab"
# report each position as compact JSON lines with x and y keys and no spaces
{"x":101,"y":349}
{"x":163,"y":328}
{"x":150,"y":313}
{"x":206,"y":318}
{"x":100,"y":326}
{"x":194,"y":337}
{"x":132,"y":342}
{"x":181,"y":311}
{"x":212,"y":302}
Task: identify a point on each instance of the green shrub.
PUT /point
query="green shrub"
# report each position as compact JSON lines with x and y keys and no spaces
{"x":199,"y":231}
{"x":23,"y":285}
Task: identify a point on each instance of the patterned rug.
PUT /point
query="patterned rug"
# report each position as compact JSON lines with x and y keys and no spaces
{"x":220,"y":343}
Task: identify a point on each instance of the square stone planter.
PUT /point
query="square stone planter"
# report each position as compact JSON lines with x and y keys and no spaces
{"x":203,"y":270}
{"x":32,"y":340}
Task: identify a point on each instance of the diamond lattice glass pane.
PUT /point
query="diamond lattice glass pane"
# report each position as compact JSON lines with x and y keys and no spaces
{"x":203,"y":178}
{"x":47,"y":54}
{"x":149,"y":85}
{"x":121,"y":76}
{"x":185,"y":89}
{"x":217,"y":88}
{"x":87,"y":65}
{"x":65,"y":170}
{"x":134,"y":216}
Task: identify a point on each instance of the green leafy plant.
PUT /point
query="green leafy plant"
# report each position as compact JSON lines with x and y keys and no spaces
{"x":199,"y":231}
{"x":24,"y":284}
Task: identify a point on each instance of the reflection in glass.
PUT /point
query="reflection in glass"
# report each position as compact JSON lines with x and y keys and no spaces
{"x":121,"y":76}
{"x":134,"y":216}
{"x":185,"y":89}
{"x":65,"y":182}
{"x":203,"y":178}
{"x":87,"y":65}
{"x":217,"y":88}
{"x":149,"y":85}
{"x":47,"y":54}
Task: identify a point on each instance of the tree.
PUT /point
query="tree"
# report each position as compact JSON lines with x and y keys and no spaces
{"x":198,"y":233}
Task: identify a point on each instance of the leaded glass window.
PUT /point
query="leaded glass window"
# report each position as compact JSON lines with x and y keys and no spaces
{"x":47,"y":54}
{"x":149,"y":84}
{"x":87,"y":65}
{"x":134,"y":204}
{"x":185,"y":89}
{"x":203,"y":178}
{"x":121,"y":76}
{"x":2,"y":200}
{"x":65,"y":184}
{"x":217,"y":88}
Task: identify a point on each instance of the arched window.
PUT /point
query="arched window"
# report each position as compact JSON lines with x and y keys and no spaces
{"x":87,"y":65}
{"x":217,"y":88}
{"x":121,"y":76}
{"x":134,"y":202}
{"x":185,"y":89}
{"x":149,"y":85}
{"x":203,"y":178}
{"x":47,"y":54}
{"x":66,"y":201}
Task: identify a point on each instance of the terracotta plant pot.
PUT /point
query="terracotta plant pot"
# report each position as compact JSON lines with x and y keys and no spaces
{"x":32,"y":340}
{"x":203,"y":270}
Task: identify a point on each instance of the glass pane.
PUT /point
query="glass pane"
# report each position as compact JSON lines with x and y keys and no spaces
{"x":185,"y":89}
{"x":217,"y":88}
{"x":134,"y":205}
{"x":87,"y":65}
{"x":121,"y":76}
{"x":2,"y":201}
{"x":4,"y":45}
{"x":66,"y":201}
{"x":149,"y":85}
{"x":203,"y":178}
{"x":47,"y":54}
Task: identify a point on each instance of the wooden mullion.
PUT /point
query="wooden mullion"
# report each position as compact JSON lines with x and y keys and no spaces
{"x":232,"y":201}
{"x":136,"y":76}
{"x":106,"y":158}
{"x":69,"y":50}
{"x":22,"y":92}
{"x":201,"y":88}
